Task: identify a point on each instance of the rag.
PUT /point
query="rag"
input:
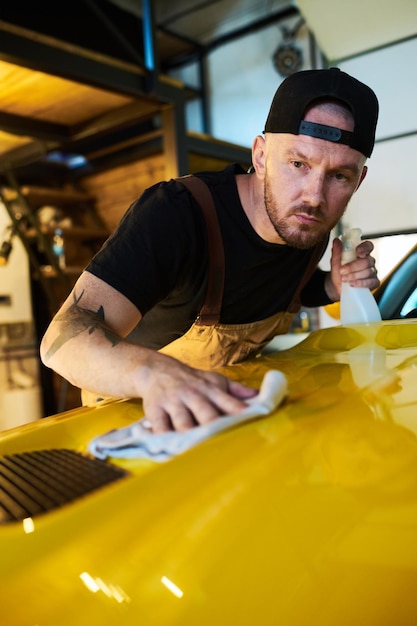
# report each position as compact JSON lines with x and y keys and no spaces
{"x":139,"y":441}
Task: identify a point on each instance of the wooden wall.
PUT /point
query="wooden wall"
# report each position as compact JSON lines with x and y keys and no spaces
{"x":115,"y":189}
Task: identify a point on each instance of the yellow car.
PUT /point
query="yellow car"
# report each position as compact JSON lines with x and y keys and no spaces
{"x":303,"y":517}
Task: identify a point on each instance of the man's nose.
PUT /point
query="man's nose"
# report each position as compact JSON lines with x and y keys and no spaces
{"x":313,"y":192}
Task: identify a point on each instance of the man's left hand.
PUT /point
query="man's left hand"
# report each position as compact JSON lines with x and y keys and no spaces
{"x":358,"y":273}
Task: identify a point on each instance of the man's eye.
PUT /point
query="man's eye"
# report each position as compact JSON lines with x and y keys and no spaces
{"x":340,"y":176}
{"x":297,"y":164}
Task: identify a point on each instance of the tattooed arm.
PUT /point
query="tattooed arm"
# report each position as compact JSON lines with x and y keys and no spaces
{"x":84,"y":344}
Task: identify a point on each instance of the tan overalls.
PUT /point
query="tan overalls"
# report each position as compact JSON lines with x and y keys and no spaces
{"x":208,"y":344}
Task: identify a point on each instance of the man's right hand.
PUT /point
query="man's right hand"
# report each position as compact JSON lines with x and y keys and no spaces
{"x":178,"y":397}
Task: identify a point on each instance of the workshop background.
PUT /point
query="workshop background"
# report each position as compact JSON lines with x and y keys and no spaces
{"x":99,"y":100}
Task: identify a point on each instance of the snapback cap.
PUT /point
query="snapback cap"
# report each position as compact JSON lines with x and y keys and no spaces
{"x":301,"y":89}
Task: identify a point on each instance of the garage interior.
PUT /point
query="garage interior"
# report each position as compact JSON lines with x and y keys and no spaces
{"x":94,"y":108}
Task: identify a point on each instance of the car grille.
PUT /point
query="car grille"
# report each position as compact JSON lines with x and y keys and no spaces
{"x":32,"y":483}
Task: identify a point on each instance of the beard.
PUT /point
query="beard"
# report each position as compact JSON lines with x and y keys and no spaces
{"x":301,"y":236}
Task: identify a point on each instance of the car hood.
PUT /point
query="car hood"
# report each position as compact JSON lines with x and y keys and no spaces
{"x":306,"y":516}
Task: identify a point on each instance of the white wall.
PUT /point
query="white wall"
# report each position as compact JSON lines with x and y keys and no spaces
{"x":387,"y":200}
{"x":392,"y":73}
{"x":243,"y":81}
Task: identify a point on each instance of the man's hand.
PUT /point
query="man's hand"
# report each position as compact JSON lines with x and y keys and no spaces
{"x":178,"y":397}
{"x":358,"y":273}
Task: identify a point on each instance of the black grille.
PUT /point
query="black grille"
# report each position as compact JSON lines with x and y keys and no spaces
{"x":36,"y":482}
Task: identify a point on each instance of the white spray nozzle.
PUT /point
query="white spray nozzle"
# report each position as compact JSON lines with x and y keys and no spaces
{"x":357,"y":304}
{"x":350,"y":240}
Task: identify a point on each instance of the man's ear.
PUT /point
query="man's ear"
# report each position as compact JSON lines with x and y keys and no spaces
{"x":363,"y":174}
{"x":258,"y":155}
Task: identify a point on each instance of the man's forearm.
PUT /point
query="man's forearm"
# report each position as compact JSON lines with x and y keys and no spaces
{"x":84,"y":350}
{"x":76,"y":320}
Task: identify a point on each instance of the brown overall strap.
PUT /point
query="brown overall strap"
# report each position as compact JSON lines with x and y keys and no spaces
{"x":210,"y":311}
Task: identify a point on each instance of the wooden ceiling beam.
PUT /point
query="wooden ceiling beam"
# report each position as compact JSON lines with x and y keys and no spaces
{"x":32,"y":127}
{"x":33,"y":50}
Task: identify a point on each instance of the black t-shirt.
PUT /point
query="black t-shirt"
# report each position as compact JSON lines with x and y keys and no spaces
{"x":157,"y":258}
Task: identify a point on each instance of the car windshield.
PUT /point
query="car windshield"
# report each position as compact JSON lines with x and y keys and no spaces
{"x":390,"y":249}
{"x":396,"y":260}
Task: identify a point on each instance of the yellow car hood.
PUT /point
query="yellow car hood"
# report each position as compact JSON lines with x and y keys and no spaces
{"x":304,"y":517}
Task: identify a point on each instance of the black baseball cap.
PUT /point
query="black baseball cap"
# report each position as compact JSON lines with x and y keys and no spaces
{"x":301,"y":89}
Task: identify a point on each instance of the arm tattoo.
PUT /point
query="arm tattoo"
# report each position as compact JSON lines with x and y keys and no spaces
{"x":76,"y":320}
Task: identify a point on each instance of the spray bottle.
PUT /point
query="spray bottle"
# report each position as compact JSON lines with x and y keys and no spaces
{"x":357,"y":304}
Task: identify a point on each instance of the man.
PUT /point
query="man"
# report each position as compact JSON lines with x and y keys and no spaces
{"x":134,"y":324}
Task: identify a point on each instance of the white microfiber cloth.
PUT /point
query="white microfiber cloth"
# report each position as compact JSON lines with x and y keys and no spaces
{"x":138,"y":440}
